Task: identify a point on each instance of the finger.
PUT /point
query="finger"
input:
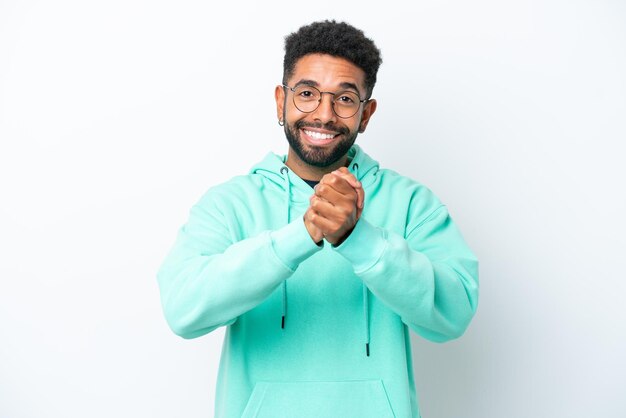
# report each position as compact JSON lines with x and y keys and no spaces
{"x":343,"y":172}
{"x":316,"y":196}
{"x":316,"y":234}
{"x":360,"y":197}
{"x":327,"y":226}
{"x":336,"y":213}
{"x":358,"y":187}
{"x":331,"y":195}
{"x":337,"y":182}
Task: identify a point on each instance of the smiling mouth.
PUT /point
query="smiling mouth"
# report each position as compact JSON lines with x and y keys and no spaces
{"x":319,"y":138}
{"x":319,"y":135}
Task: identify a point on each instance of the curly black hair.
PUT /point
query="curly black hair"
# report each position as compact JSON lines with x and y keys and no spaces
{"x":338,"y":39}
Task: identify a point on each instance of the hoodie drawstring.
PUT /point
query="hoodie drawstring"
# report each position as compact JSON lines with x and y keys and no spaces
{"x":288,"y":189}
{"x":366,"y":309}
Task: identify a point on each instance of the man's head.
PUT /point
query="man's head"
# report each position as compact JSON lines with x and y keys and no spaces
{"x":326,"y":57}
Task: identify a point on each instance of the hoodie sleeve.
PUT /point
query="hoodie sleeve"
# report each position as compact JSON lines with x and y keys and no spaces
{"x":207,"y":280}
{"x":429,"y":278}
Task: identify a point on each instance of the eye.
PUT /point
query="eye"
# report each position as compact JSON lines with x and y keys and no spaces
{"x":306,"y":93}
{"x":346,"y":98}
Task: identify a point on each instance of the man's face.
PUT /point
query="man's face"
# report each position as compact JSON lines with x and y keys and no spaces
{"x":321,"y":138}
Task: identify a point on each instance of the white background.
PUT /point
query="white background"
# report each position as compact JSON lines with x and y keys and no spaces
{"x":116,"y":116}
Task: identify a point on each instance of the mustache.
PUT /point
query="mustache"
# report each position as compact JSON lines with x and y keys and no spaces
{"x":328,"y":126}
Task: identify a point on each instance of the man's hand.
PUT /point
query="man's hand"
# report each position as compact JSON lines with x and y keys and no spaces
{"x":335,"y":206}
{"x":316,"y":234}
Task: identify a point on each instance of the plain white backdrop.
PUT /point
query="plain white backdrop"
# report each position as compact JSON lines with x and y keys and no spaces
{"x":116,"y":116}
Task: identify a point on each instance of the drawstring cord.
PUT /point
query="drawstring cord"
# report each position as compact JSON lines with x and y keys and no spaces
{"x":288,"y":188}
{"x":366,"y":308}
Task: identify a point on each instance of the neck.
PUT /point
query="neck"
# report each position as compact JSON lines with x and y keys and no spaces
{"x":310,"y":172}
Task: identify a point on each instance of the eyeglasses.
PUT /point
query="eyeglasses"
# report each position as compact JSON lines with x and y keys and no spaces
{"x":345,"y":104}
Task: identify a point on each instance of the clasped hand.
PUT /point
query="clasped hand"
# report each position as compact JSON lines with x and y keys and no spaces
{"x":335,"y":207}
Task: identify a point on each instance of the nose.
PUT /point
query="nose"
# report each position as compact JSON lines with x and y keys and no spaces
{"x":324,"y":112}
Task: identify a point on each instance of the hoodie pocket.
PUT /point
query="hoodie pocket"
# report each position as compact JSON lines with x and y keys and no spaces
{"x":325,"y":399}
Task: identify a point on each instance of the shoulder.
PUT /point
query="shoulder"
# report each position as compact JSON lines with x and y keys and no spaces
{"x":399,"y":183}
{"x":421,"y":199}
{"x":235,"y":190}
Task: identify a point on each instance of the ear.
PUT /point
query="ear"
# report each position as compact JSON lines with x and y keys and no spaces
{"x":368,"y":111}
{"x":279,"y":95}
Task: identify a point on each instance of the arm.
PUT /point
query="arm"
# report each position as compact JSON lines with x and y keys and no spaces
{"x":207,"y":280}
{"x":430,"y":278}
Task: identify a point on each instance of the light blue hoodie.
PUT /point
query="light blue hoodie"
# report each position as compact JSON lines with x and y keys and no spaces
{"x":318,"y":331}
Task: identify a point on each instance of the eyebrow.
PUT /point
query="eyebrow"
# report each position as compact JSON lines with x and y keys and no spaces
{"x":345,"y":85}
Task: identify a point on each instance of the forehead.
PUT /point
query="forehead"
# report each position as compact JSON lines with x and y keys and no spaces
{"x":328,"y":71}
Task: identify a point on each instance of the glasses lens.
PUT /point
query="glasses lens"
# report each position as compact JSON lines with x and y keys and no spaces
{"x":306,"y":98}
{"x":346,"y":104}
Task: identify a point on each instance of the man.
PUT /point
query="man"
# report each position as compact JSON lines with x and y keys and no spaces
{"x":319,"y":286}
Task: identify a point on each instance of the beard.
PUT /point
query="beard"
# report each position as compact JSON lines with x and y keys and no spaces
{"x":319,"y":156}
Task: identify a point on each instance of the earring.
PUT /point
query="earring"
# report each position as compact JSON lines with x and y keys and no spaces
{"x":280,"y":122}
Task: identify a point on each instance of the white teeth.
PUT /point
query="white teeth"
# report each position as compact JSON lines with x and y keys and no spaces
{"x":318,"y":135}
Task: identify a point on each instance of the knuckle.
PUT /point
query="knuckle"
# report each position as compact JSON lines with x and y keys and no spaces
{"x":326,"y":178}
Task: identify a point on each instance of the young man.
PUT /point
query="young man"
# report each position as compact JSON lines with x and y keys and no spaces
{"x":319,"y":286}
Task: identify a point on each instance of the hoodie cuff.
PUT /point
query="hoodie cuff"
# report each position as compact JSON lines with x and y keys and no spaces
{"x":292,"y":243}
{"x":364,"y":246}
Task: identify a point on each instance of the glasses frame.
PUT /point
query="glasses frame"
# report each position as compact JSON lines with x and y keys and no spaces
{"x":293,"y":90}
